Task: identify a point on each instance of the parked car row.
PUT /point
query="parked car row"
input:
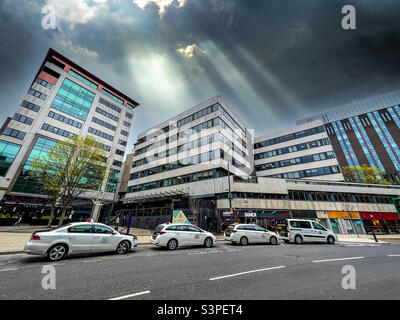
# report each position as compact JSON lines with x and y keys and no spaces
{"x":88,"y":237}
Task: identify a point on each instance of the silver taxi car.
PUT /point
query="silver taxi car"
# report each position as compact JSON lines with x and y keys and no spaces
{"x":250,"y":233}
{"x":172,"y":235}
{"x":83,"y":237}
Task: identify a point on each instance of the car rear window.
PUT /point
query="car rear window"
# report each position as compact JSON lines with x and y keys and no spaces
{"x":159,"y":228}
{"x":230,"y":228}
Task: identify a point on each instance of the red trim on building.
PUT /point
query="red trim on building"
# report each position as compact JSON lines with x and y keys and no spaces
{"x":379,"y":216}
{"x":49,"y":78}
{"x":70,"y":64}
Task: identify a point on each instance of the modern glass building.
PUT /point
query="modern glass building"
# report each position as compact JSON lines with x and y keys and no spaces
{"x":366,"y":133}
{"x":63,"y":101}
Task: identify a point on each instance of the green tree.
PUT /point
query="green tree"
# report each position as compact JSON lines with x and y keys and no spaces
{"x":69,"y":170}
{"x":364,"y":174}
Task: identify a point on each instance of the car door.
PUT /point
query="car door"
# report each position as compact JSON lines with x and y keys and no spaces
{"x":251,"y":233}
{"x":306,"y":231}
{"x":320,"y":232}
{"x":182,"y":235}
{"x":195,"y":236}
{"x":103,"y":238}
{"x":80,"y":237}
{"x":261,"y":234}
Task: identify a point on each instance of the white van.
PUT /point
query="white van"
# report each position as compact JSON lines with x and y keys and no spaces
{"x":299,"y":231}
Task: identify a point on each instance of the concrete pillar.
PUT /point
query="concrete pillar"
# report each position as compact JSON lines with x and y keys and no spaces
{"x":2,"y":193}
{"x":96,"y":210}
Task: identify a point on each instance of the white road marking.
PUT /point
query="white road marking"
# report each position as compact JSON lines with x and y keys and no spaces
{"x":393,"y":255}
{"x":246,"y":272}
{"x":130,"y":295}
{"x":340,"y":259}
{"x":12,"y":269}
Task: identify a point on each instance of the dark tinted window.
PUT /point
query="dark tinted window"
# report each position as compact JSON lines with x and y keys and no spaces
{"x":159,"y":228}
{"x":80,"y":229}
{"x":171,"y":228}
{"x":102,"y":229}
{"x":191,"y":228}
{"x":305,"y":224}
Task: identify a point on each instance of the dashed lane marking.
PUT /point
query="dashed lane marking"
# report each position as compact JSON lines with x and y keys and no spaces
{"x":246,"y":272}
{"x":130,"y":295}
{"x":339,"y":259}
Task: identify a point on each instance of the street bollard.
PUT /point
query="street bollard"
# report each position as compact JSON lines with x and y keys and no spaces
{"x":373,"y":233}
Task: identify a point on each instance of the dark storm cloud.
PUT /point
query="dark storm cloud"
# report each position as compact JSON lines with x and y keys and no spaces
{"x":273,"y":61}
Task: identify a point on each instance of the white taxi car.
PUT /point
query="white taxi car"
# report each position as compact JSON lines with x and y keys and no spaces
{"x":172,"y":235}
{"x":299,"y":231}
{"x":250,"y":233}
{"x":83,"y":237}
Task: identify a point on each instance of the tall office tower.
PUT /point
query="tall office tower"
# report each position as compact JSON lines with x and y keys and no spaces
{"x":63,"y":101}
{"x":366,"y":133}
{"x":303,"y":151}
{"x":201,"y":143}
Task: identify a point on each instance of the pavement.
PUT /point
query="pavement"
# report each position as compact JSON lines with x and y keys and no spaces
{"x":13,"y":239}
{"x":226,"y":272}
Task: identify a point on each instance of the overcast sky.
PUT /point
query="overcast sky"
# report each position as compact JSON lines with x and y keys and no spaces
{"x":273,"y":61}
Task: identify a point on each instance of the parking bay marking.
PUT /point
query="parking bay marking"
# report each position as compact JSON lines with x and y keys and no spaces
{"x":246,"y":272}
{"x":339,"y":259}
{"x":393,"y":255}
{"x":130,"y":295}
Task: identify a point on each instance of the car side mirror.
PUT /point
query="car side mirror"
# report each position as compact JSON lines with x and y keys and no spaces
{"x":114,"y":232}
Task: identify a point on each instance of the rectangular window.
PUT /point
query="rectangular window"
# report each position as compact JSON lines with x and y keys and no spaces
{"x":125,"y":133}
{"x":107,"y":114}
{"x":119,"y":152}
{"x":126,"y":124}
{"x":83,"y":79}
{"x":110,"y":105}
{"x":14,"y":133}
{"x":129,"y":115}
{"x":73,"y":100}
{"x":64,"y":119}
{"x":122,"y":142}
{"x":8,"y":152}
{"x":44,"y":83}
{"x":115,"y":98}
{"x":58,"y":131}
{"x":100,"y":134}
{"x":30,"y":106}
{"x":20,"y":118}
{"x":104,"y":124}
{"x":37,"y":94}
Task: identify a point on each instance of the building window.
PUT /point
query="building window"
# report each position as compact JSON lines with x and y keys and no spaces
{"x":20,"y":118}
{"x":57,"y":131}
{"x":126,"y":124}
{"x":107,"y":114}
{"x":124,"y":133}
{"x":129,"y":115}
{"x":100,"y":134}
{"x":83,"y":79}
{"x":112,"y":182}
{"x":64,"y":119}
{"x":104,"y":124}
{"x":110,"y":105}
{"x":119,"y":152}
{"x":73,"y":100}
{"x":30,"y":106}
{"x":110,"y":95}
{"x":44,"y":83}
{"x":117,"y":163}
{"x":122,"y":142}
{"x":14,"y":133}
{"x":8,"y":152}
{"x":37,"y":94}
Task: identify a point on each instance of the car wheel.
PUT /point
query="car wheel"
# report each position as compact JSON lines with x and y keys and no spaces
{"x":123,"y":247}
{"x":208,"y":243}
{"x":172,"y":244}
{"x":57,"y":252}
{"x":298,"y":239}
{"x":244,"y":241}
{"x":273,"y":240}
{"x":331,"y":240}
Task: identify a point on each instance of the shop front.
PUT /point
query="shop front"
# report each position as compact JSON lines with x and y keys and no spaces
{"x":381,"y":222}
{"x":342,"y":222}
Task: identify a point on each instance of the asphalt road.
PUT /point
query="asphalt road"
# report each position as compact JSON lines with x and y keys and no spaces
{"x":287,"y":271}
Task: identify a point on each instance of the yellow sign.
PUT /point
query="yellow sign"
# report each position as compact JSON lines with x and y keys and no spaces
{"x":179,"y":217}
